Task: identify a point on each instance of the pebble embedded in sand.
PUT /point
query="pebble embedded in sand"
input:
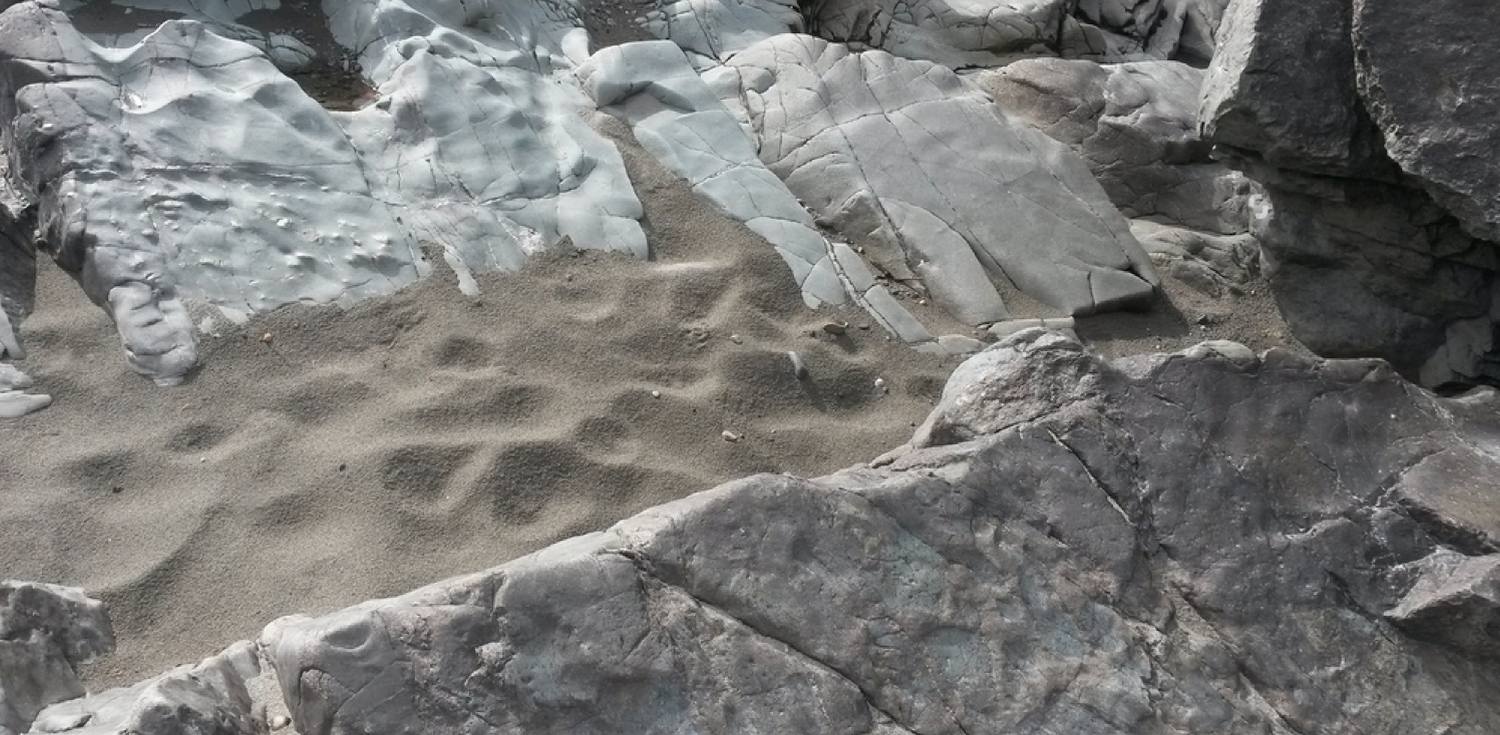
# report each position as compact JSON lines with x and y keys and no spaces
{"x":279,"y":721}
{"x":835,"y":328}
{"x":656,"y":394}
{"x":730,"y":436}
{"x":799,"y":368}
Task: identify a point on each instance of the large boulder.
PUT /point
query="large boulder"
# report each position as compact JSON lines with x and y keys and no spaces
{"x":1430,"y":78}
{"x":1372,"y":130}
{"x":1209,"y":541}
{"x":916,"y":166}
{"x":46,"y":632}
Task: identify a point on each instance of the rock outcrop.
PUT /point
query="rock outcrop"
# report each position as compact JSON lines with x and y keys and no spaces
{"x":1376,"y":149}
{"x":1201,"y":542}
{"x":46,"y":631}
{"x":1206,"y":541}
{"x":1136,"y":125}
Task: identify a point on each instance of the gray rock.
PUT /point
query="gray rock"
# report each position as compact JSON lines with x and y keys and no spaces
{"x":1136,"y":125}
{"x":46,"y":631}
{"x":908,"y":161}
{"x":679,"y":120}
{"x":1456,"y":601}
{"x":1157,"y":29}
{"x":285,"y":201}
{"x":1282,"y":84}
{"x":1430,"y":77}
{"x":208,"y":698}
{"x":1209,"y":541}
{"x":1211,"y":264}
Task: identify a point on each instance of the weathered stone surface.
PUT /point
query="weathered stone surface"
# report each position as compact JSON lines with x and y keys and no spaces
{"x":208,"y":698}
{"x":1136,"y":125}
{"x":1188,"y":543}
{"x":1282,"y":84}
{"x":46,"y":631}
{"x":678,"y":119}
{"x":910,"y":162}
{"x":1430,"y":77}
{"x":1456,"y":601}
{"x":1157,"y":29}
{"x":286,"y":201}
{"x":1211,"y":264}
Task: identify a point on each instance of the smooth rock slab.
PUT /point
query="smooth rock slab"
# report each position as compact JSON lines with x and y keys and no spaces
{"x":1187,"y":543}
{"x":1136,"y":125}
{"x":680,"y":121}
{"x":907,"y":160}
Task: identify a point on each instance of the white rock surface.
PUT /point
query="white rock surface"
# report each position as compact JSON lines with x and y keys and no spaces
{"x":284,"y":201}
{"x":680,"y":121}
{"x":916,"y":166}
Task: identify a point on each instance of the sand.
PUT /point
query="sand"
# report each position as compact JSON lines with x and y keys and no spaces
{"x":322,"y":456}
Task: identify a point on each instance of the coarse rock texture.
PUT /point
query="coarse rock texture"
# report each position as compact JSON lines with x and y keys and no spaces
{"x":1207,"y":541}
{"x":1157,"y":29}
{"x":46,"y":632}
{"x":1136,"y":125}
{"x":1430,"y":77}
{"x":1214,"y":265}
{"x":916,"y":166}
{"x":1375,"y":150}
{"x":208,"y":698}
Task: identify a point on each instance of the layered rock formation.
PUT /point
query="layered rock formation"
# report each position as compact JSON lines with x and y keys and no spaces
{"x":1208,"y":541}
{"x":1376,"y":147}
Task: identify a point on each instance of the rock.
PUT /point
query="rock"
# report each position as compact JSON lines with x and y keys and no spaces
{"x":354,"y":199}
{"x":1210,"y":264}
{"x":680,"y":121}
{"x":1456,"y":602}
{"x":1209,"y":541}
{"x":208,"y":698}
{"x":1136,"y":125}
{"x":1282,"y":84}
{"x":46,"y":632}
{"x":1380,"y":196}
{"x":1430,"y":78}
{"x":896,"y":160}
{"x":1157,"y":29}
{"x":17,"y":280}
{"x":1063,"y":325}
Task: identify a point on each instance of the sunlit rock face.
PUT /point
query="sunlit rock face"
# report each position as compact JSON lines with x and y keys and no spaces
{"x":183,"y":164}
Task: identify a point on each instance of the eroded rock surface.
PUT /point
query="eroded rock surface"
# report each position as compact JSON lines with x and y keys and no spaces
{"x":46,"y":631}
{"x":911,"y":163}
{"x":1374,"y":148}
{"x":1209,"y":541}
{"x":1136,"y":125}
{"x":285,"y":201}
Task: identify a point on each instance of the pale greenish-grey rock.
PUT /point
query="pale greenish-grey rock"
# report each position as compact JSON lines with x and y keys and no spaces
{"x":680,"y":121}
{"x":46,"y":632}
{"x":1136,"y":125}
{"x":1068,"y":545}
{"x":286,"y":201}
{"x":916,"y":166}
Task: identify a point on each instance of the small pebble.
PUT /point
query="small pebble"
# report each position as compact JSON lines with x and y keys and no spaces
{"x":730,"y":436}
{"x":735,"y":338}
{"x":880,"y":385}
{"x":656,"y":394}
{"x":864,"y":326}
{"x":267,"y":338}
{"x":835,"y":328}
{"x":279,"y":721}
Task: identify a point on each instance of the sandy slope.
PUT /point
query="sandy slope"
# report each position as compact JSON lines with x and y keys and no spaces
{"x":361,"y":453}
